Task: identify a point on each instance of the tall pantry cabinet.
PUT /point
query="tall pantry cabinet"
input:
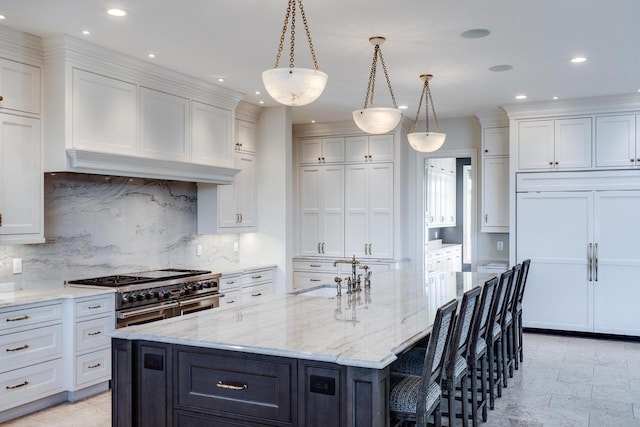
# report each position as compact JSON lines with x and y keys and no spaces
{"x":576,"y":220}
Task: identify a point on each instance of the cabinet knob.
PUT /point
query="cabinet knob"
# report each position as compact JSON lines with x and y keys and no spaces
{"x":556,"y":163}
{"x":550,"y":163}
{"x":638,"y":160}
{"x":1,"y":98}
{"x":486,"y":151}
{"x":632,"y":160}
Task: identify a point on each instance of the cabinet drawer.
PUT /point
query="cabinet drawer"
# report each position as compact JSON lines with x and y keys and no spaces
{"x":27,"y":347}
{"x":29,"y":316}
{"x":92,"y":334}
{"x":93,"y":367}
{"x":252,"y":292}
{"x":229,"y":282}
{"x":305,"y":279}
{"x":95,"y":306}
{"x":230,"y":298}
{"x":234,"y":383}
{"x":314,"y":266}
{"x":31,"y":383}
{"x":192,"y":419}
{"x":259,"y":276}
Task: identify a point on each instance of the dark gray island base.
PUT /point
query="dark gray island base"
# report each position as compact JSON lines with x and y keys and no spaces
{"x":157,"y":384}
{"x":312,"y":359}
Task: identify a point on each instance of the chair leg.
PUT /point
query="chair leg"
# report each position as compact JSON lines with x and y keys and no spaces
{"x":437,"y":415}
{"x":451,"y":394}
{"x":512,"y":351}
{"x":520,"y":335}
{"x":483,"y":388}
{"x":492,"y":385}
{"x":499,"y":351}
{"x":464,"y":400}
{"x":505,"y":356}
{"x":516,"y":342}
{"x":473,"y":373}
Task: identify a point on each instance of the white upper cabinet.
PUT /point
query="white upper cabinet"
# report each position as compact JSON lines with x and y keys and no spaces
{"x":322,"y":150}
{"x":245,"y":136}
{"x":164,"y":125}
{"x":495,"y":194}
{"x":495,"y":141}
{"x":617,"y":143}
{"x":19,"y":87}
{"x":441,"y":193}
{"x":375,"y":148}
{"x":21,"y":198}
{"x":236,"y":202}
{"x":104,"y":114}
{"x":211,"y":130}
{"x":554,"y":144}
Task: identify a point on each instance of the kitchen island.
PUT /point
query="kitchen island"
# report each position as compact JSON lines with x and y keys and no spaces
{"x":288,"y":360}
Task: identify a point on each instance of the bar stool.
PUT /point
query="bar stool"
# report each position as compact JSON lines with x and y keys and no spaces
{"x":478,"y":352}
{"x":494,"y":338}
{"x":413,"y":398}
{"x":507,"y":326}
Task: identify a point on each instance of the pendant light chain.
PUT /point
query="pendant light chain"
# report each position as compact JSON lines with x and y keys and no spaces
{"x":435,"y":117}
{"x":415,"y":122}
{"x":372,"y":79}
{"x":291,"y":14}
{"x":426,"y":89}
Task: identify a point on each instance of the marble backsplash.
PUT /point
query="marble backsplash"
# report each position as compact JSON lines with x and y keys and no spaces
{"x":96,"y":225}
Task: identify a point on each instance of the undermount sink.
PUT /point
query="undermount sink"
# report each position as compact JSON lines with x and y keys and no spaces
{"x":318,"y":291}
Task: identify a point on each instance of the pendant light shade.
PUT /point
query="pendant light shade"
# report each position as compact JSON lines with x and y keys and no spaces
{"x":426,"y":142}
{"x":294,"y":86}
{"x":377,"y":120}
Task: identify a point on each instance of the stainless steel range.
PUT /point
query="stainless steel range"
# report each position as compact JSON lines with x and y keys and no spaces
{"x":147,"y":296}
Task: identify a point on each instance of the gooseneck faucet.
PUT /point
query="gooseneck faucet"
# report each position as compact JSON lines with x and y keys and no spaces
{"x":353,"y":261}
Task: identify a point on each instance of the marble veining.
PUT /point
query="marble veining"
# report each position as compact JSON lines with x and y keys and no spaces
{"x":365,"y":330}
{"x":98,"y":225}
{"x":26,"y":296}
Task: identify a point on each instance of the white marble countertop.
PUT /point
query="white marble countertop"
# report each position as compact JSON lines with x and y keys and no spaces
{"x":31,"y":296}
{"x":367,"y":330}
{"x":240,"y":268}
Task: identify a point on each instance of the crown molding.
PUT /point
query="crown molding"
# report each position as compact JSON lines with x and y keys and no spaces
{"x":493,"y":118}
{"x":248,"y":112}
{"x":20,"y":47}
{"x":591,"y":105}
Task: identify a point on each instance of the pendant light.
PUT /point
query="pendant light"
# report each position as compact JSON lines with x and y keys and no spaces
{"x":372,"y":119}
{"x":426,"y":142}
{"x":294,"y":86}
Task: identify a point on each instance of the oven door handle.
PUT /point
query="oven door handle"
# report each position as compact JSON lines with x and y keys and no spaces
{"x":131,"y":313}
{"x":198,"y":299}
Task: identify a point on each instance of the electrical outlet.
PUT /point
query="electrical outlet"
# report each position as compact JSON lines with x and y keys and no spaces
{"x":499,"y":245}
{"x":235,"y":246}
{"x":198,"y":250}
{"x":17,"y":265}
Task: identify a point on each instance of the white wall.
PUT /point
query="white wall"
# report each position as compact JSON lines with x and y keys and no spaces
{"x":274,"y":241}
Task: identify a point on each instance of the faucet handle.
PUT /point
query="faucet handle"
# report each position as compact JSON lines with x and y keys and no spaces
{"x":338,"y":286}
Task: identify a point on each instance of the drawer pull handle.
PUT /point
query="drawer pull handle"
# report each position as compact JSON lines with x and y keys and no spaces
{"x":94,"y":333}
{"x":13,"y":387}
{"x":94,"y":307}
{"x":231,"y":386}
{"x":315,"y":280}
{"x":24,"y":347}
{"x":256,"y":295}
{"x":97,"y":365}
{"x":231,"y":301}
{"x":315,"y":265}
{"x":257,"y":277}
{"x":231,"y":282}
{"x":17,"y":319}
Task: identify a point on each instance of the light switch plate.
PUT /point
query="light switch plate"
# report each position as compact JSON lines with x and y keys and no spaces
{"x":500,"y":245}
{"x":17,"y":265}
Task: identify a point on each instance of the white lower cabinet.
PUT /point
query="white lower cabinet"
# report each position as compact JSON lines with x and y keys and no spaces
{"x":88,"y":348}
{"x":31,"y":345}
{"x":246,"y":286}
{"x":584,"y":257}
{"x":309,"y":273}
{"x":448,"y":258}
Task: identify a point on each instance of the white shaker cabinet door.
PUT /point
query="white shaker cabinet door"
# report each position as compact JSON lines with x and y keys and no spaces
{"x":535,"y":144}
{"x":245,"y":185}
{"x":310,"y":210}
{"x":21,"y":200}
{"x":616,"y":286}
{"x":495,"y":194}
{"x":164,"y":126}
{"x":104,"y":114}
{"x":211,"y":131}
{"x":19,"y":87}
{"x":572,"y":148}
{"x":245,"y":136}
{"x":332,"y":202}
{"x":381,"y":148}
{"x":616,"y":141}
{"x":380,"y":210}
{"x":356,"y":210}
{"x":554,"y":230}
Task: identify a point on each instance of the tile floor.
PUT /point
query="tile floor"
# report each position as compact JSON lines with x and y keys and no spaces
{"x":564,"y":382}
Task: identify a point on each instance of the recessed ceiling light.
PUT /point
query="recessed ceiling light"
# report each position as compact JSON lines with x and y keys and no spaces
{"x":257,"y":92}
{"x":403,"y":107}
{"x":475,"y":33}
{"x":260,"y":102}
{"x":313,"y":121}
{"x":578,"y":59}
{"x":220,"y":79}
{"x":152,"y":55}
{"x":555,"y":97}
{"x":86,"y":32}
{"x":502,"y":67}
{"x":2,"y":17}
{"x":117,"y":12}
{"x":521,"y":96}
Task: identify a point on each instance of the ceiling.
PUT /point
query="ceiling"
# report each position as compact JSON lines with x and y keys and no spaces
{"x":237,"y":40}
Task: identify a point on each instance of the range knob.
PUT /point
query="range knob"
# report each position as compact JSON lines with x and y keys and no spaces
{"x":156,"y":294}
{"x":135,"y":297}
{"x":166,"y":294}
{"x":148,"y":295}
{"x":207,"y":284}
{"x":126,"y":298}
{"x":199,"y":286}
